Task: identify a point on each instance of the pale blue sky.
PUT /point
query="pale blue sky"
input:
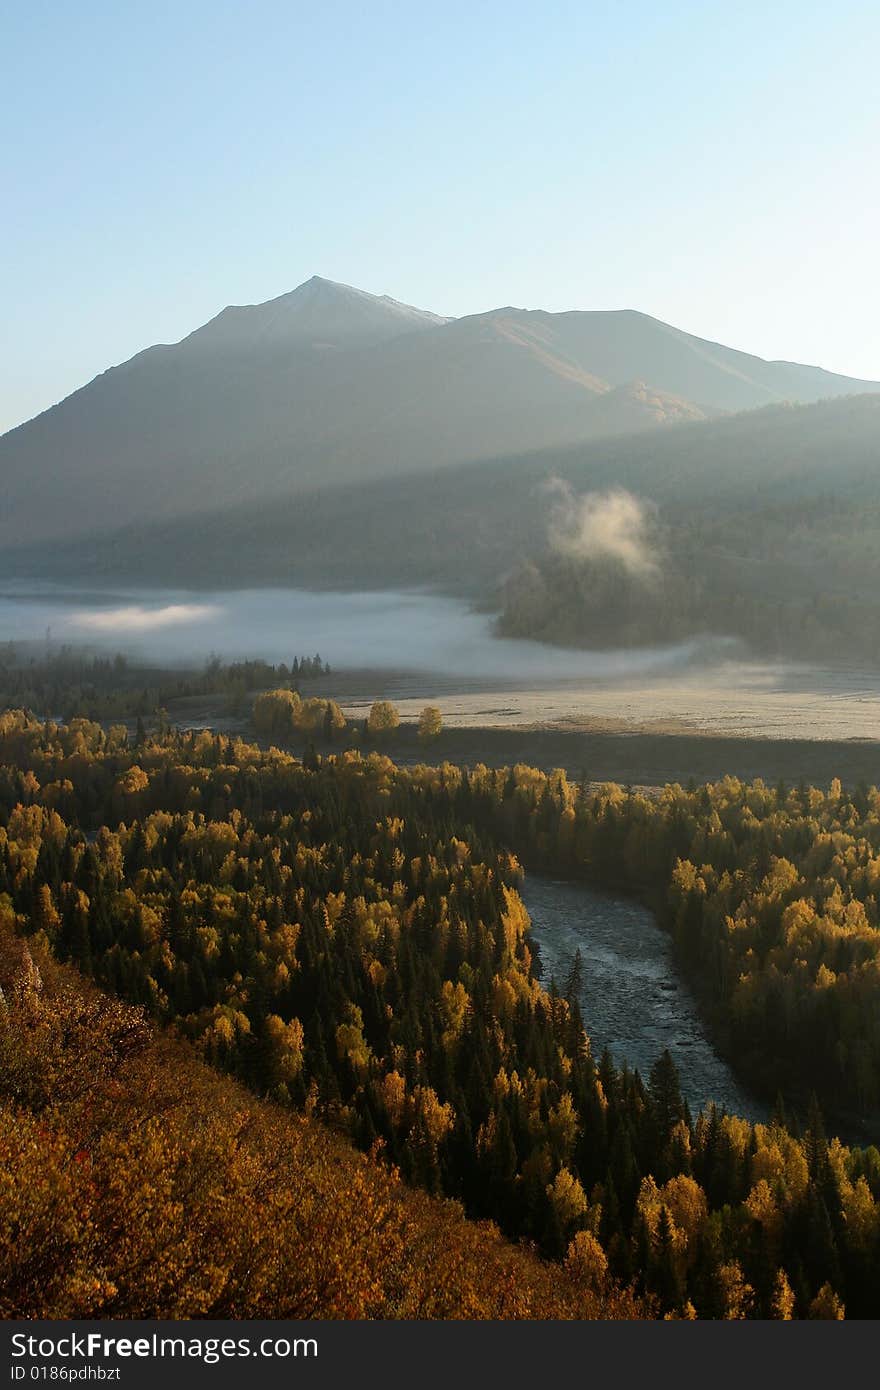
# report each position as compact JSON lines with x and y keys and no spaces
{"x":713,"y":164}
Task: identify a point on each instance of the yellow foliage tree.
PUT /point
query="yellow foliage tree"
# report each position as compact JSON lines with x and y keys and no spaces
{"x":586,"y":1260}
{"x":383,"y":717}
{"x":430,"y":723}
{"x":826,"y":1305}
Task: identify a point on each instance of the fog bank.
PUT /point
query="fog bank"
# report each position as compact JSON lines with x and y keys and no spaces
{"x":387,"y":630}
{"x":415,"y":648}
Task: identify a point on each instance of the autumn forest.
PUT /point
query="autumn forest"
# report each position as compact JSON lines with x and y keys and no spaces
{"x":276,"y":1039}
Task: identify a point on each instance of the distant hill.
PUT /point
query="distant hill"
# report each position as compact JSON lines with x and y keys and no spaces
{"x":466,"y":527}
{"x":329,"y":385}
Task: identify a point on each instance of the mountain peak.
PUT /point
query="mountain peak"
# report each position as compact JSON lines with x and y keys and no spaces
{"x":320,"y":285}
{"x":321,"y":312}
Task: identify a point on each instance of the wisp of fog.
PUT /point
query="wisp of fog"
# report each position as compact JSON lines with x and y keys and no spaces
{"x":610,"y":525}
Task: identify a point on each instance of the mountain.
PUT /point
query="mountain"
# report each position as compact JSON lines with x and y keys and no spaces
{"x":330,"y":385}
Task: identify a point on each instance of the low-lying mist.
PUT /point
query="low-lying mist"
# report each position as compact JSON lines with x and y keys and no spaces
{"x":383,"y":631}
{"x":418,"y":647}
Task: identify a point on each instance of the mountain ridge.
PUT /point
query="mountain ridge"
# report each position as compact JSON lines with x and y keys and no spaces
{"x":329,"y":384}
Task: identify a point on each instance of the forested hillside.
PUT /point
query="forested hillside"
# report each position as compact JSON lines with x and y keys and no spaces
{"x":346,"y":938}
{"x":763,"y":526}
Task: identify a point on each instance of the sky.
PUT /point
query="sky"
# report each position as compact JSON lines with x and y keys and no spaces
{"x":715,"y":165}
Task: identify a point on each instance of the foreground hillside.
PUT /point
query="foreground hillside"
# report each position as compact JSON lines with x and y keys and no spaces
{"x":136,"y":1182}
{"x":346,"y":938}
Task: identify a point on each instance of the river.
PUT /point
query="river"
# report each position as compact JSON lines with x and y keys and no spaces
{"x":634,"y":1000}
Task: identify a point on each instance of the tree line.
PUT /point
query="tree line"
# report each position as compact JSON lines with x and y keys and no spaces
{"x":67,"y":682}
